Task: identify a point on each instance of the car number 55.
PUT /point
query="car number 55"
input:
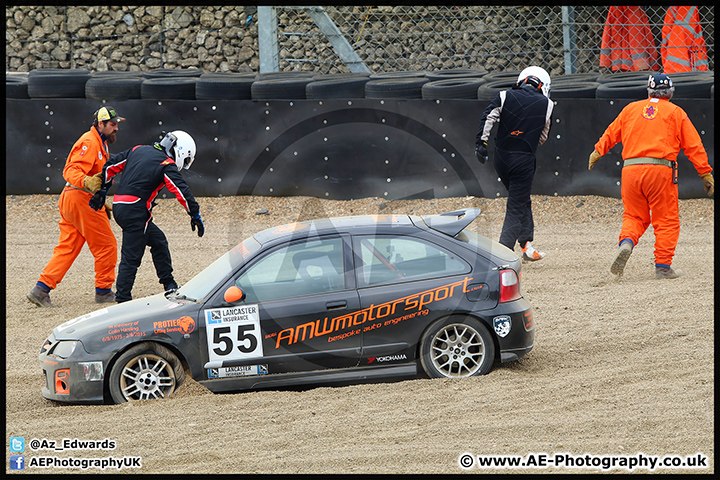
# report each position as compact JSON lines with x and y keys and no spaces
{"x":233,"y":333}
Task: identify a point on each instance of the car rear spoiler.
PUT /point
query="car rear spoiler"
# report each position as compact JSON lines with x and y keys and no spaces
{"x":451,"y":223}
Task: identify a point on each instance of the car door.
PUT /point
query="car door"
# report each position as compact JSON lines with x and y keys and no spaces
{"x":407,"y":283}
{"x":296,"y":316}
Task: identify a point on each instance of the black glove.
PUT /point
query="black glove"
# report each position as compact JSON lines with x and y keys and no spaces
{"x":98,"y":200}
{"x":196,"y":221}
{"x":481,"y":152}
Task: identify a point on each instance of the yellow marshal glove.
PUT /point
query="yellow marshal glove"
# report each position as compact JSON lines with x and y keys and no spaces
{"x":708,"y":183}
{"x":594,"y":157}
{"x":93,"y":183}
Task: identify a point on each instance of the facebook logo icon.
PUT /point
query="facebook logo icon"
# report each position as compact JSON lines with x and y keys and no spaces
{"x":17,"y":462}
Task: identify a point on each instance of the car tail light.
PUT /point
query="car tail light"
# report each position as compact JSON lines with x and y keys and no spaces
{"x":62,"y":381}
{"x":509,"y":286}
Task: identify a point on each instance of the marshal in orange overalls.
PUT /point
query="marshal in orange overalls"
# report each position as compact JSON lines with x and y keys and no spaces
{"x":78,"y":222}
{"x":683,"y":46}
{"x":652,"y":129}
{"x":627,"y":42}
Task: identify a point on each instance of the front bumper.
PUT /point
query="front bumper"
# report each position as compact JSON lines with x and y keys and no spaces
{"x":77,"y":378}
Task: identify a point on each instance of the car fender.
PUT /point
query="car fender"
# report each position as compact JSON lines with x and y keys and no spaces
{"x":165,"y":342}
{"x":460,"y":315}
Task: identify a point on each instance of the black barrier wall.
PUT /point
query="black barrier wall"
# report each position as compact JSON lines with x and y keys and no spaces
{"x":335,"y":149}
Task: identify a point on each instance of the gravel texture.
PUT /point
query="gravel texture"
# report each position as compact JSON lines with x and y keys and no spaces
{"x":620,"y":366}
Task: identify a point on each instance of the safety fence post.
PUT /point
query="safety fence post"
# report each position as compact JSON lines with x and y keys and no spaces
{"x":269,"y":52}
{"x":568,"y":21}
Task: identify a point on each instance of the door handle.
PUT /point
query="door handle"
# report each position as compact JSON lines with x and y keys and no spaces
{"x":336,"y":305}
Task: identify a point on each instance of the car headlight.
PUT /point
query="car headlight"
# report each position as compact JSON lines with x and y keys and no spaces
{"x":64,"y":348}
{"x":49,"y":341}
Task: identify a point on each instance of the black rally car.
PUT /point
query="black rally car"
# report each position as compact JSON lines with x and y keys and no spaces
{"x":325,"y":301}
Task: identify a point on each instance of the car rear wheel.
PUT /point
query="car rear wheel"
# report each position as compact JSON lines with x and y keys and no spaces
{"x":146,"y":371}
{"x":457,"y":347}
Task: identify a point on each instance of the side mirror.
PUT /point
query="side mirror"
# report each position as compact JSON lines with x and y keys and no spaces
{"x":233,"y":295}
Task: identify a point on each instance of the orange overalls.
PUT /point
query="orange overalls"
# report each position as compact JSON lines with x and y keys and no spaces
{"x":653,"y":129}
{"x":627,"y":43}
{"x":78,"y":222}
{"x":683,"y":46}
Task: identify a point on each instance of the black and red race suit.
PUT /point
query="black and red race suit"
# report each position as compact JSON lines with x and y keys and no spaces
{"x":146,"y":170}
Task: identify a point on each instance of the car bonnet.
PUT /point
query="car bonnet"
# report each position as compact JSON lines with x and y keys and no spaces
{"x":135,"y":313}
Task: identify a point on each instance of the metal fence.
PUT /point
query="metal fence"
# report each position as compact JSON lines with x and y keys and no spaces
{"x":567,"y":39}
{"x":563,"y":39}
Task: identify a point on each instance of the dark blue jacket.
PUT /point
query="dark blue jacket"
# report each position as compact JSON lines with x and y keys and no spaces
{"x":523,"y":115}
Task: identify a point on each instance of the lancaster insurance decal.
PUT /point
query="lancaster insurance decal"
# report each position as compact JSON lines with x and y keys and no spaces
{"x":240,"y":371}
{"x":233,"y":333}
{"x":373,"y":317}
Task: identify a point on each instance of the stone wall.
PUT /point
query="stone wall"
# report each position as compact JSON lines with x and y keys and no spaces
{"x":130,"y":38}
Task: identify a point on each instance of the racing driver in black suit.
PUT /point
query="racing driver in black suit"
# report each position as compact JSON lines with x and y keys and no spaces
{"x":523,"y":114}
{"x":146,"y":169}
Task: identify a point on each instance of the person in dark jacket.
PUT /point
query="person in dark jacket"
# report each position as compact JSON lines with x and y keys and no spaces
{"x":523,"y":117}
{"x":146,"y":169}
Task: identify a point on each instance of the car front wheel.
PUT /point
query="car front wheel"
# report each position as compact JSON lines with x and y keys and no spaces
{"x":146,"y":371}
{"x":457,"y":347}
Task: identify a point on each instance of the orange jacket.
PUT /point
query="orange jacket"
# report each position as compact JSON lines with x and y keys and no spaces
{"x":87,"y":157}
{"x":655,"y":128}
{"x":683,"y":46}
{"x":627,"y":42}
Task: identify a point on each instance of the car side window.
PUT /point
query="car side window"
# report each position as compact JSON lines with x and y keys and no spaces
{"x":392,"y":259}
{"x":298,"y":269}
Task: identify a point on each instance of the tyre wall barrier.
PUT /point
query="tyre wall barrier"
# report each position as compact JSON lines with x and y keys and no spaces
{"x":192,"y":84}
{"x":334,"y":148}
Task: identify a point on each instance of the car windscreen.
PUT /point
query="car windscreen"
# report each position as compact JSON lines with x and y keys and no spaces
{"x":204,"y":282}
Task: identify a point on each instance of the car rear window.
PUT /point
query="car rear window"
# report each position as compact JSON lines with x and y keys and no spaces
{"x":486,"y":245}
{"x":392,"y":259}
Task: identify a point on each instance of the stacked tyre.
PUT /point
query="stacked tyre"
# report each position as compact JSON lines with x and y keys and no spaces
{"x":167,"y":84}
{"x":633,"y":85}
{"x":339,"y":85}
{"x":57,"y":82}
{"x":224,"y":86}
{"x":16,"y":85}
{"x":281,"y":86}
{"x":110,"y":85}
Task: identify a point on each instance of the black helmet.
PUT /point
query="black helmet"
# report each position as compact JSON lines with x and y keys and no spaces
{"x":659,"y":81}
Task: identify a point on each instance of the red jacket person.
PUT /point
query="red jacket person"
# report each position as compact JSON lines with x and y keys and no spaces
{"x":653,"y":132}
{"x":146,"y":169}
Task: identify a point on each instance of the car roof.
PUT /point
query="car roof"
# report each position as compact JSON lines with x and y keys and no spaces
{"x":449,"y":223}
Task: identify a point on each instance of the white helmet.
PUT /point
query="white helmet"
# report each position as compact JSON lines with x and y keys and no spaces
{"x":181,"y":147}
{"x":542,"y":82}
